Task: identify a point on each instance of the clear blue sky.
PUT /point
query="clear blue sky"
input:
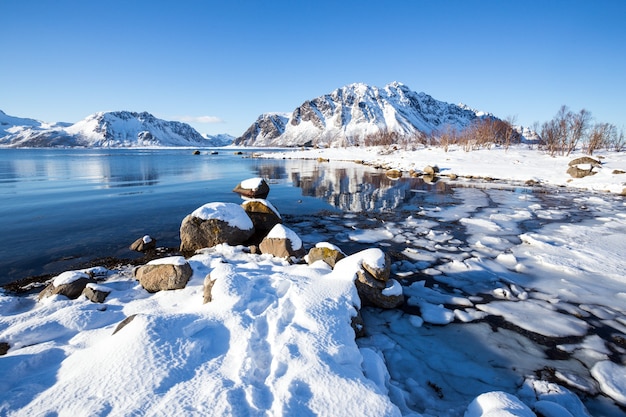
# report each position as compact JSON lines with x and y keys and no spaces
{"x":230,"y":61}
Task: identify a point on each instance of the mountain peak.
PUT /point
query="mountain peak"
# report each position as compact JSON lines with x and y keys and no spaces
{"x":349,"y":114}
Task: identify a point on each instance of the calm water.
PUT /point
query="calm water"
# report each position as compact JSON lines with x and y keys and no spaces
{"x":64,"y":207}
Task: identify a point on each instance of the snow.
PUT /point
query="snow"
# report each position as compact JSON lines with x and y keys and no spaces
{"x":232,"y":214}
{"x":68,"y":277}
{"x":280,"y":231}
{"x":511,"y":302}
{"x":170,"y":260}
{"x":612,"y":379}
{"x":251,"y":183}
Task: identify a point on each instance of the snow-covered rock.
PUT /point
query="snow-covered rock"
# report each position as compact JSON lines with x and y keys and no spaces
{"x":349,"y":114}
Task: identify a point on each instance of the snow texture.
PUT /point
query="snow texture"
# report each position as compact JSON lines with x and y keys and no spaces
{"x":232,"y":214}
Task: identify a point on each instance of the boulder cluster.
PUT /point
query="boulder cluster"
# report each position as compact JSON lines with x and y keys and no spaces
{"x":255,"y":224}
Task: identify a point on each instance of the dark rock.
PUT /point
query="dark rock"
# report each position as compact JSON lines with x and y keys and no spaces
{"x":96,"y":294}
{"x":253,"y":188}
{"x":164,"y":274}
{"x":264,"y":217}
{"x":379,"y":272}
{"x":124,"y":323}
{"x":143,"y":244}
{"x":375,"y":296}
{"x":70,"y":284}
{"x":4,"y":348}
{"x":358,"y":325}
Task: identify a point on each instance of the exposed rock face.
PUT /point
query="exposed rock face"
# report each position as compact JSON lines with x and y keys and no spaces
{"x":70,"y":284}
{"x":253,"y":188}
{"x":324,"y":253}
{"x":264,"y":217}
{"x":282,"y":242}
{"x":264,"y":130}
{"x":164,"y":274}
{"x":215,"y":223}
{"x":143,"y":244}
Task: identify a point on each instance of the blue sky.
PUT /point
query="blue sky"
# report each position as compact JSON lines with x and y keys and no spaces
{"x":226,"y":62}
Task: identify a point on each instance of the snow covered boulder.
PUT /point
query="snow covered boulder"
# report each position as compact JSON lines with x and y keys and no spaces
{"x":163,"y":274}
{"x":96,"y":293}
{"x":326,"y":252}
{"x":143,"y":244}
{"x":253,"y":188}
{"x":282,"y":242}
{"x":70,"y":284}
{"x":583,"y":167}
{"x":263,"y":215}
{"x":370,"y":270}
{"x":215,"y":223}
{"x":498,"y":404}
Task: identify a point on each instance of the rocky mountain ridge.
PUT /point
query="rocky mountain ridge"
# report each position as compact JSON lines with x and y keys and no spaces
{"x":349,"y":114}
{"x":118,"y":129}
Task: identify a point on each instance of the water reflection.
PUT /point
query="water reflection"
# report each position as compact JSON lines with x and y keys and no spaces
{"x":354,"y":188}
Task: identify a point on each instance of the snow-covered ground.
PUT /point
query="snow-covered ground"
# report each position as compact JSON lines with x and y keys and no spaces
{"x":515,"y":306}
{"x":518,"y":163}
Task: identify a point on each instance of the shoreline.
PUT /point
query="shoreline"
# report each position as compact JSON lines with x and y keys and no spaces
{"x":519,"y":164}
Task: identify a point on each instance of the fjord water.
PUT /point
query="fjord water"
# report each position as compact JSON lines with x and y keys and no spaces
{"x":63,"y":207}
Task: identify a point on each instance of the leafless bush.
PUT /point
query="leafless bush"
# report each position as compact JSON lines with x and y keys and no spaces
{"x":563,"y":133}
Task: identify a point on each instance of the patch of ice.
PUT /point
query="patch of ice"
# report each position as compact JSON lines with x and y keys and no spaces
{"x":370,"y":235}
{"x":498,"y":404}
{"x":612,"y":380}
{"x":393,"y":288}
{"x":524,"y":313}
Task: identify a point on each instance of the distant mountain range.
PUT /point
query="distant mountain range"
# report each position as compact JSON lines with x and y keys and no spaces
{"x":120,"y":129}
{"x":349,"y":114}
{"x":343,"y":117}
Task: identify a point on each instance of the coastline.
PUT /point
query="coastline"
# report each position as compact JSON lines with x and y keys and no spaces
{"x":519,"y":164}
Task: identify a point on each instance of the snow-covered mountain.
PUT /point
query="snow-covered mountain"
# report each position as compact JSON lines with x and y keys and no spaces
{"x":222,"y":139}
{"x":349,"y":114}
{"x":103,"y":129}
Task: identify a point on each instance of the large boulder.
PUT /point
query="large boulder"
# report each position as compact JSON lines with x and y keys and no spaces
{"x":70,"y":284}
{"x":264,"y":217}
{"x":325,"y":252}
{"x":282,"y":242}
{"x":253,"y":188}
{"x":171,"y":273}
{"x":583,"y":167}
{"x":215,"y":223}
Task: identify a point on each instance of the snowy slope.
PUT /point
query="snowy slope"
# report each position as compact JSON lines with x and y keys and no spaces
{"x":106,"y":129}
{"x":350,"y":113}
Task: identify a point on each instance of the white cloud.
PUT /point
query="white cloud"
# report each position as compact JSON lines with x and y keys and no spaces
{"x":201,"y":119}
